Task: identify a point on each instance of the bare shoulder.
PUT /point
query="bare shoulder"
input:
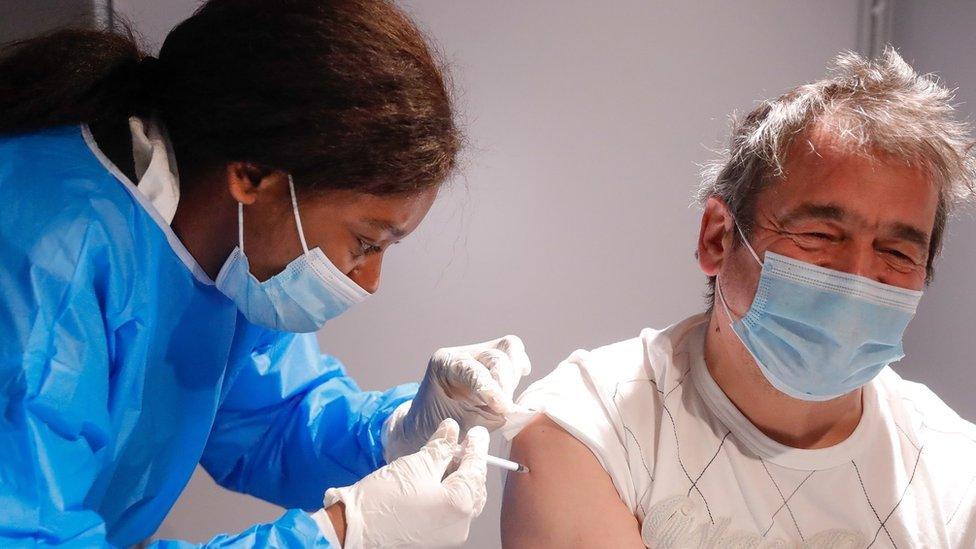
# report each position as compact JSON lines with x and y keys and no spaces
{"x":567,"y":499}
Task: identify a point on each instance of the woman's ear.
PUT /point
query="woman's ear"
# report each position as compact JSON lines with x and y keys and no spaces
{"x":246,"y":181}
{"x":714,"y":236}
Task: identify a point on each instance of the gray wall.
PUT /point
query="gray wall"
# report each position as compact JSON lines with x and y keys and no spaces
{"x":937,"y":36}
{"x":570,"y":223}
{"x":23,"y":19}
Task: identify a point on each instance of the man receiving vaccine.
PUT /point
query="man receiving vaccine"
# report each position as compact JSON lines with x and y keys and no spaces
{"x":774,"y":419}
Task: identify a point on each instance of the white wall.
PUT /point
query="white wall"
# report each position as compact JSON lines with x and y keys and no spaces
{"x":571,"y":222}
{"x":937,"y":36}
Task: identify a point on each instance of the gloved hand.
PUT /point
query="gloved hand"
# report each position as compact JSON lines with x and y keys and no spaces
{"x":410,"y":503}
{"x":472,"y":384}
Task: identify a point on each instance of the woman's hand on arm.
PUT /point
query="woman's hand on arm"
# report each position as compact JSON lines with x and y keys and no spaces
{"x":472,"y":384}
{"x":566,"y":500}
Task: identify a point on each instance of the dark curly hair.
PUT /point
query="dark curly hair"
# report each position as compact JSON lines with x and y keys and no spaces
{"x":342,"y":94}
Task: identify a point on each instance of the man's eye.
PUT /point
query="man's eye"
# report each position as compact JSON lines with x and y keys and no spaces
{"x":899,"y":255}
{"x":813,"y":238}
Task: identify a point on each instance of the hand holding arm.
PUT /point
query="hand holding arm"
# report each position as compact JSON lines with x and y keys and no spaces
{"x":472,"y":384}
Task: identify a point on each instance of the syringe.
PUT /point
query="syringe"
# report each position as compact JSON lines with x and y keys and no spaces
{"x":506,"y":464}
{"x":500,"y":462}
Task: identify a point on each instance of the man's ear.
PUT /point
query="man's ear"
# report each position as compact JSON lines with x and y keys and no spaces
{"x":714,"y":236}
{"x":246,"y":181}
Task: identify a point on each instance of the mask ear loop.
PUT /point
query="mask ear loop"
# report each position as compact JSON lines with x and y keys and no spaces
{"x":298,"y":219}
{"x":746,"y":242}
{"x":721,"y":297}
{"x":240,"y":226}
{"x":718,"y":281}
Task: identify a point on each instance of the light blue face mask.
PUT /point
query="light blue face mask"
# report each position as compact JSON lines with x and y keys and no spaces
{"x":302,"y":298}
{"x":817,"y":333}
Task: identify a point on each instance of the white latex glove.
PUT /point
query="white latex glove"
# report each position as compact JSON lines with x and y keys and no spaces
{"x":473,"y":384}
{"x":410,"y":502}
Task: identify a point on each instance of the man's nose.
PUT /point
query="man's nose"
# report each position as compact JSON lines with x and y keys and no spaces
{"x":858,"y":259}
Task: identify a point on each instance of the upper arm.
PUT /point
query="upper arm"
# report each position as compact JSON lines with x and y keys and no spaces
{"x":567,"y":499}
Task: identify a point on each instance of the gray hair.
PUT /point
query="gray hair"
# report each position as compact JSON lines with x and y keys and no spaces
{"x":874,"y":106}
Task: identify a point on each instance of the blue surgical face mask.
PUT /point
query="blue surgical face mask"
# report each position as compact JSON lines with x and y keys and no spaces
{"x":302,"y":298}
{"x":816,"y":333}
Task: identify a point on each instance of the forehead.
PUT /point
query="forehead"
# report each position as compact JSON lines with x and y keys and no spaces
{"x":396,"y":214}
{"x":877,"y":188}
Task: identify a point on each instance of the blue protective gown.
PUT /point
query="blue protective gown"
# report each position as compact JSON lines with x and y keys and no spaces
{"x":122,"y":367}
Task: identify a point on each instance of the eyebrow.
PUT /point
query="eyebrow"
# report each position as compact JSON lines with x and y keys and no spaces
{"x":386,"y":226}
{"x":835,"y":212}
{"x":819,"y":211}
{"x":910,"y":234}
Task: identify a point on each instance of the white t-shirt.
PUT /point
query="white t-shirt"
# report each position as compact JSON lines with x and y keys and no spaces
{"x":696,"y":473}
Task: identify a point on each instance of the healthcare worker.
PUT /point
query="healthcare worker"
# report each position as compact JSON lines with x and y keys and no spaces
{"x":172,"y":233}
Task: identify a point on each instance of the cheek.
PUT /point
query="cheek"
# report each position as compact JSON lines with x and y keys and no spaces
{"x":822,"y":254}
{"x":911,"y":281}
{"x":337,"y":244}
{"x":739,"y":278}
{"x":271,"y":241}
{"x":341,"y":256}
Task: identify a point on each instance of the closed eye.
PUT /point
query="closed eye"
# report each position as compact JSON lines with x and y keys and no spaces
{"x":822,"y":236}
{"x":367,"y":248}
{"x":898,"y":254}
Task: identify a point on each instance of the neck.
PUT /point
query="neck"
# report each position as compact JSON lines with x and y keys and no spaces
{"x":793,"y":422}
{"x":206,"y":227}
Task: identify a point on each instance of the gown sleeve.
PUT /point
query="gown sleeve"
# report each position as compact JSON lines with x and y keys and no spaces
{"x":295,"y":529}
{"x":293,"y":424}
